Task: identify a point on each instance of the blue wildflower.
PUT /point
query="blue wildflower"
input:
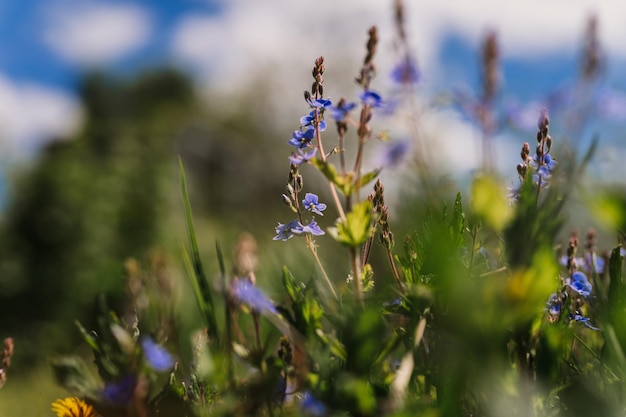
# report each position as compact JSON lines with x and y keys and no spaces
{"x":310,"y":120}
{"x":406,"y":72}
{"x":394,"y":152}
{"x":289,"y":230}
{"x":371,"y":98}
{"x":312,"y":407}
{"x":553,"y":306}
{"x":313,"y":229}
{"x":320,"y":103}
{"x":299,"y":157}
{"x":584,"y":320}
{"x":311,"y":203}
{"x":341,"y":110}
{"x":579,"y":283}
{"x":156,"y":356}
{"x":301,"y":139}
{"x":243,"y":291}
{"x":120,"y":392}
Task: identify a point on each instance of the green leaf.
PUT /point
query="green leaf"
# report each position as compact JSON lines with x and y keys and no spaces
{"x":294,"y":290}
{"x":368,"y":177}
{"x":91,"y":340}
{"x":616,"y":286}
{"x":357,"y":226}
{"x":489,"y":202}
{"x":201,"y":282}
{"x":457,"y":224}
{"x":342,"y":182}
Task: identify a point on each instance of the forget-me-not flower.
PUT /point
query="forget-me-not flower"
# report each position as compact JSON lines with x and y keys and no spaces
{"x":405,"y":72}
{"x":320,"y":103}
{"x":579,"y":283}
{"x":301,"y":139}
{"x":243,"y":291}
{"x":313,"y":229}
{"x":301,"y":156}
{"x":582,"y":319}
{"x":311,"y":203}
{"x":371,"y":98}
{"x":289,"y":230}
{"x":341,"y":110}
{"x":310,"y":120}
{"x":156,"y":356}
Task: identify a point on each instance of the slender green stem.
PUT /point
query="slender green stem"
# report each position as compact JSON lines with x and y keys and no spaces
{"x":311,"y":247}
{"x":358,"y":287}
{"x":394,"y":270}
{"x":320,"y":147}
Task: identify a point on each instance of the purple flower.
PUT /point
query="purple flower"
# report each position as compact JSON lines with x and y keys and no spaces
{"x":120,"y":392}
{"x":311,"y":203}
{"x":243,"y":291}
{"x":340,"y":111}
{"x":313,"y":229}
{"x":156,"y":356}
{"x":579,"y":283}
{"x":309,"y":120}
{"x":289,"y":230}
{"x":406,"y":72}
{"x":293,"y":228}
{"x":553,"y":306}
{"x":299,"y":157}
{"x":394,"y":152}
{"x":320,"y":103}
{"x":312,"y":407}
{"x":585,"y":320}
{"x":301,"y":139}
{"x":371,"y":98}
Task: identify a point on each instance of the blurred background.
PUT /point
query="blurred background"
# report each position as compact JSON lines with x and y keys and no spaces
{"x":98,"y":99}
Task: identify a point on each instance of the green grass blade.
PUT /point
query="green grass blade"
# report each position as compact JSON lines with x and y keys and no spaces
{"x":200,"y":280}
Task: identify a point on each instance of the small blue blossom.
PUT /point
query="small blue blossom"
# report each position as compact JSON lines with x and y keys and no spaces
{"x":371,"y":98}
{"x":313,"y":229}
{"x":301,"y":139}
{"x":312,"y":407}
{"x":406,"y":72}
{"x":311,"y":203}
{"x":289,"y":230}
{"x":301,"y":156}
{"x":579,"y":283}
{"x":542,"y":174}
{"x":309,"y":120}
{"x":394,"y":152}
{"x":119,"y":392}
{"x":340,"y":112}
{"x":585,"y":320}
{"x":320,"y":103}
{"x":156,"y":356}
{"x":243,"y":291}
{"x":553,"y":306}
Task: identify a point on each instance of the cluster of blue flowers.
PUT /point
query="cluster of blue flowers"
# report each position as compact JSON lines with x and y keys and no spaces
{"x":577,"y":288}
{"x":580,"y":288}
{"x":295,"y":227}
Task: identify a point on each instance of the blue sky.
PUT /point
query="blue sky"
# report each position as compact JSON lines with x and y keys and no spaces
{"x":229,"y":44}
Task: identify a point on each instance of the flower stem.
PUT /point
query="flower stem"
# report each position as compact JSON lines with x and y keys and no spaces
{"x":358,"y":288}
{"x":311,"y":247}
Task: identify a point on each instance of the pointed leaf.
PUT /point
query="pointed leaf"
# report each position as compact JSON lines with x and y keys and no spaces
{"x":357,"y":226}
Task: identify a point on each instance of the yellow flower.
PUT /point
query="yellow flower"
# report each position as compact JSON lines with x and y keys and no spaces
{"x":73,"y":407}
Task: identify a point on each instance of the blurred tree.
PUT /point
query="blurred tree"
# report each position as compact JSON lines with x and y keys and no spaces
{"x":90,"y":201}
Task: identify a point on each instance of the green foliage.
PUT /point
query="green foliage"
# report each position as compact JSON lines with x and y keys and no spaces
{"x":357,"y":226}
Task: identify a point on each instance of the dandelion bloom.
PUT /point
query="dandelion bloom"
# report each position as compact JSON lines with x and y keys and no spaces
{"x":73,"y":407}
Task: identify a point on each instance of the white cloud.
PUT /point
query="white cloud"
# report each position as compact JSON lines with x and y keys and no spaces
{"x":31,"y":114}
{"x":276,"y":41}
{"x":249,"y":36}
{"x":91,"y":33}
